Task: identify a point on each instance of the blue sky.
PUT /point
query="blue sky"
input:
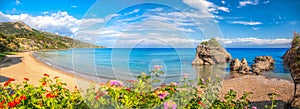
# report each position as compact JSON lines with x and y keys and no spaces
{"x":165,"y":23}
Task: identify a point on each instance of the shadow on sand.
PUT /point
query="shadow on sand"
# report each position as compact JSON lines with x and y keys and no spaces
{"x":280,"y":104}
{"x":11,"y":60}
{"x":3,"y":79}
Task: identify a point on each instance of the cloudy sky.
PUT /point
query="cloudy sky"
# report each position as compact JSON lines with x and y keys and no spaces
{"x":165,"y":23}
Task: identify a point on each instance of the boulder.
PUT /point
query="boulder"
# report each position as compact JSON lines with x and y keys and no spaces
{"x":238,"y":66}
{"x":262,"y":63}
{"x":210,"y":54}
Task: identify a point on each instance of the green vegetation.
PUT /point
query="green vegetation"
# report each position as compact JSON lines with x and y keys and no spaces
{"x":51,"y":93}
{"x":211,"y":42}
{"x":17,"y":36}
{"x":3,"y":54}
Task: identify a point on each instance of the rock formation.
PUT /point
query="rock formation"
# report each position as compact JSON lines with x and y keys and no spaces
{"x":262,"y":63}
{"x":238,"y":66}
{"x":209,"y":53}
{"x":291,"y":59}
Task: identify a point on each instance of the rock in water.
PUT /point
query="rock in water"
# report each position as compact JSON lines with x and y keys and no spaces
{"x":209,"y":54}
{"x":238,"y":66}
{"x":262,"y":63}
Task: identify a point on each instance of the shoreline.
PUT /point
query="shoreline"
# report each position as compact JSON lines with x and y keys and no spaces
{"x":27,"y":66}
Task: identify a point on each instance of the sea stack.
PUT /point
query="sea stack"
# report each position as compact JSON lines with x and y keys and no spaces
{"x":210,"y":53}
{"x":262,"y":64}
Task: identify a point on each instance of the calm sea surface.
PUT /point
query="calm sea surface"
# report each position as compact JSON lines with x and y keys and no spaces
{"x":124,"y":63}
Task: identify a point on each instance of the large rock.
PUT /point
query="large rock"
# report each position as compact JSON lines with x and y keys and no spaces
{"x":262,"y":63}
{"x":291,"y":59}
{"x":208,"y":55}
{"x":238,"y":66}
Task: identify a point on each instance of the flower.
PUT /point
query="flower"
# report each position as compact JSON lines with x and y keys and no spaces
{"x":185,"y":75}
{"x":51,"y":95}
{"x":46,"y":75}
{"x":170,"y":104}
{"x":17,"y":100}
{"x":158,"y":67}
{"x":97,"y":97}
{"x":12,"y":104}
{"x":2,"y":104}
{"x":115,"y":83}
{"x":11,"y":79}
{"x":162,"y":94}
{"x":44,"y":83}
{"x":6,"y":83}
{"x":23,"y":97}
{"x":128,"y":90}
{"x":173,"y":84}
{"x":131,"y":81}
{"x":26,"y":79}
{"x":56,"y":77}
{"x":200,"y":103}
{"x":253,"y":107}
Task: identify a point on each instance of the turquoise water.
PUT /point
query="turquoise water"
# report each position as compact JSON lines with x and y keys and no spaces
{"x":124,"y":63}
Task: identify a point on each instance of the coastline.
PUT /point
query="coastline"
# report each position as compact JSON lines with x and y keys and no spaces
{"x":24,"y":65}
{"x":27,"y":66}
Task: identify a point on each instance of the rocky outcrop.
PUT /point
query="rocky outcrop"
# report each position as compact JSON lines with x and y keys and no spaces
{"x":207,"y":55}
{"x":238,"y":66}
{"x":262,"y":64}
{"x":210,"y":52}
{"x":291,"y":60}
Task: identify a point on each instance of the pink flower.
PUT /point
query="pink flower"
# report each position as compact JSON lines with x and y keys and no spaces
{"x":170,"y":104}
{"x":163,"y":94}
{"x":158,"y":67}
{"x":253,"y":107}
{"x":115,"y":83}
{"x":173,"y":84}
{"x":185,"y":75}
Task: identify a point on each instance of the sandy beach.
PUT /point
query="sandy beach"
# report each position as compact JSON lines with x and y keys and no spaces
{"x":24,"y":65}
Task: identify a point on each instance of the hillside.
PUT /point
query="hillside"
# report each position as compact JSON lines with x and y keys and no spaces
{"x":17,"y":36}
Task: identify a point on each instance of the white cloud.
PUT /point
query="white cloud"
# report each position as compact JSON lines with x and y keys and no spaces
{"x":223,"y":2}
{"x":266,"y":1}
{"x":61,"y":22}
{"x":46,"y":12}
{"x":246,"y":22}
{"x":73,"y":6}
{"x":205,"y":6}
{"x":17,"y":2}
{"x":256,"y":41}
{"x":156,"y":9}
{"x":248,"y":2}
{"x":225,"y":9}
{"x":132,"y":12}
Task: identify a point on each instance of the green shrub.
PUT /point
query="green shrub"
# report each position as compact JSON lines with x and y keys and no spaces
{"x":140,"y":93}
{"x":211,"y":42}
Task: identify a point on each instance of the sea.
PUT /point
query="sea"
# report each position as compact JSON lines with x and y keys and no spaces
{"x":127,"y":63}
